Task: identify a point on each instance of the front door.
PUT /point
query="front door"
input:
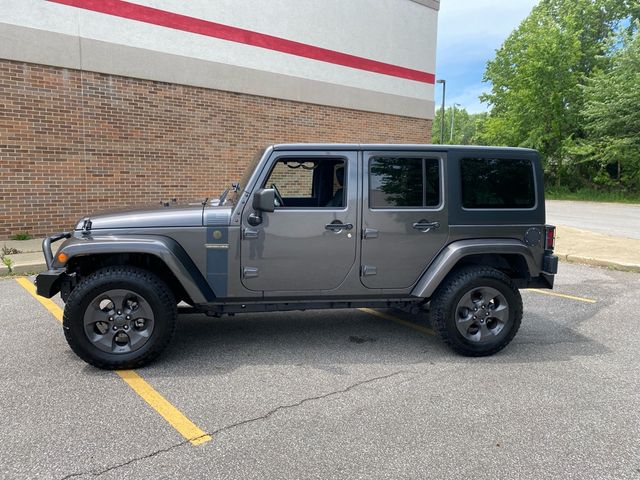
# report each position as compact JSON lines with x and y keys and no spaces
{"x":309,"y":241}
{"x":404,"y":220}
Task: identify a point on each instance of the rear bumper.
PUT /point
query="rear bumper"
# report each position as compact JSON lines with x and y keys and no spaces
{"x":48,"y":283}
{"x":550,"y":264}
{"x":548,"y":273}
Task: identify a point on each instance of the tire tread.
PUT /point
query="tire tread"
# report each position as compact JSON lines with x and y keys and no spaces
{"x":446,"y":293}
{"x":115,"y":274}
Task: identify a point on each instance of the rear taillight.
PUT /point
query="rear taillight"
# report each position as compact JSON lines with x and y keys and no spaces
{"x":549,"y":237}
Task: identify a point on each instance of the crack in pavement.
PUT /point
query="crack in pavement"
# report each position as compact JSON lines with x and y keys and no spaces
{"x":234,"y":425}
{"x":128,"y":462}
{"x":305,"y":400}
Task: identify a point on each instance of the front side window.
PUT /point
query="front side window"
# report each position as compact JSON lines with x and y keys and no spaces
{"x":308,"y":182}
{"x":400,"y":182}
{"x":293,"y":179}
{"x":497,"y":183}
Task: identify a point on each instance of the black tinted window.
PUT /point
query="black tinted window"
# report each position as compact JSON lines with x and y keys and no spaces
{"x":404,"y":182}
{"x":497,"y":183}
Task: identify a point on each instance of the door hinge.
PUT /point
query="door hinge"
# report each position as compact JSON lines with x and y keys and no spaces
{"x":249,"y":272}
{"x":368,"y":270}
{"x":369,"y":233}
{"x":249,"y":233}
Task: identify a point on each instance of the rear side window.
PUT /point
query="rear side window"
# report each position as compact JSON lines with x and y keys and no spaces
{"x":397,"y":182}
{"x":497,"y":183}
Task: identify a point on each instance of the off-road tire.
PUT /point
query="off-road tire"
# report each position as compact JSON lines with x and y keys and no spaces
{"x":444,"y":303}
{"x":144,"y":283}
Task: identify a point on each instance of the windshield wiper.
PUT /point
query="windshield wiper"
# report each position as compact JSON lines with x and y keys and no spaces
{"x":223,"y":197}
{"x":234,"y":187}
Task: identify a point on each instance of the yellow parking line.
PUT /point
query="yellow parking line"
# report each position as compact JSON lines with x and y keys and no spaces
{"x":50,"y":305}
{"x":563,"y":295}
{"x":171,"y":414}
{"x":161,"y":405}
{"x":399,"y":321}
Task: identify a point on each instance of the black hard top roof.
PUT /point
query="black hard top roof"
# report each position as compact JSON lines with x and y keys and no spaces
{"x":395,"y":147}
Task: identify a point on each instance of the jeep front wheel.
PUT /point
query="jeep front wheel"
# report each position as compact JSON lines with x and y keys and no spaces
{"x":476,"y":311}
{"x":119,"y":317}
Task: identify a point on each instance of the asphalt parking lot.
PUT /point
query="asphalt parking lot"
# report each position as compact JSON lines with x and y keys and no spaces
{"x":341,"y":394}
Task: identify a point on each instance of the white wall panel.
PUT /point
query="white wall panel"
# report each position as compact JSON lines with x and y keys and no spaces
{"x":397,"y":32}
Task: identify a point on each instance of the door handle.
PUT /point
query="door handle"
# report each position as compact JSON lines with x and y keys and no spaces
{"x":338,"y":226}
{"x":424,"y":226}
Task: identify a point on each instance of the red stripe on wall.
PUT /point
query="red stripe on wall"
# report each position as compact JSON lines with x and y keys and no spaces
{"x":163,"y":18}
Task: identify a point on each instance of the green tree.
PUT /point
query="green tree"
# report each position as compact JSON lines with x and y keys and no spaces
{"x":612,"y":117}
{"x":466,"y":126}
{"x":536,"y":99}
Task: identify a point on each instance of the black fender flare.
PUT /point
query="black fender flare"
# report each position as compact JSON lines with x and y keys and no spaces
{"x":166,"y":249}
{"x":449,"y":256}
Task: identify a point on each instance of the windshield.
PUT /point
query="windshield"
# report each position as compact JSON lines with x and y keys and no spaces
{"x":246,"y":176}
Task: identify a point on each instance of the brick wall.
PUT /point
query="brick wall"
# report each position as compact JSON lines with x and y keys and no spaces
{"x":74,"y":142}
{"x":292,"y":182}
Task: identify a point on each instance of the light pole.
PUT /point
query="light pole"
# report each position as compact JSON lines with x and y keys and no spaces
{"x":453,"y":115}
{"x":444,"y":88}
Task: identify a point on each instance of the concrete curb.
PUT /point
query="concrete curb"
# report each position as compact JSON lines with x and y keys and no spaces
{"x":24,"y":246}
{"x":592,"y":248}
{"x":24,"y":268}
{"x":597,"y":262}
{"x":27,"y":262}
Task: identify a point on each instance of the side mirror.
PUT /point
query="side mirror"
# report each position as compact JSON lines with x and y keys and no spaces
{"x":264,"y":200}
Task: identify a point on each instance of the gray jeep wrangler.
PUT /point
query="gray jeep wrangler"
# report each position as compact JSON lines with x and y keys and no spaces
{"x":450,"y":231}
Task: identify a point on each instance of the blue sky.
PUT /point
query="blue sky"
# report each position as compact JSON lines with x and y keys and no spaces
{"x":469,"y":32}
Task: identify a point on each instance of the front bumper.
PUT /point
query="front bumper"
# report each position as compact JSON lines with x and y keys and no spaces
{"x":49,"y":283}
{"x":46,"y":246}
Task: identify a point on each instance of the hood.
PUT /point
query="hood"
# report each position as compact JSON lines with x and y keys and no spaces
{"x":175,"y":215}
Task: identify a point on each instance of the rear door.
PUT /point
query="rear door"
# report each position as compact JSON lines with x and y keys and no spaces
{"x":404,"y":216}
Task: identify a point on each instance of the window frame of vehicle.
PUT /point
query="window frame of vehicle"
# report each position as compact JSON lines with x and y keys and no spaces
{"x":335,"y":160}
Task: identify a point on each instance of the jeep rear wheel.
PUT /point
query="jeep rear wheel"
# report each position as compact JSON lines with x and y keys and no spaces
{"x":476,"y":311}
{"x":119,"y":317}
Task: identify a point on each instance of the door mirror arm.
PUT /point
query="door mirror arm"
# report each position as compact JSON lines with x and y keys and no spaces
{"x":254,"y":219}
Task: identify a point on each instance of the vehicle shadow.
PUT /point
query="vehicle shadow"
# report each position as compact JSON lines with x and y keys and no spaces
{"x":334,"y":341}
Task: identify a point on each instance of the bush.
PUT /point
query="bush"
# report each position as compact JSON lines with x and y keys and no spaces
{"x":21,"y":236}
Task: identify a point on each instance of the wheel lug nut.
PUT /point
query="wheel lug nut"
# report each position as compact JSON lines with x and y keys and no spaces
{"x":486,"y":314}
{"x":483,"y":307}
{"x":119,"y":312}
{"x":115,"y":328}
{"x":126,"y":327}
{"x":128,"y":317}
{"x":111,"y":319}
{"x":475,"y":309}
{"x":475,"y":318}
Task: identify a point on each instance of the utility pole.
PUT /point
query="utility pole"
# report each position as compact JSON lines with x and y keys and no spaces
{"x":444,"y":87}
{"x":453,"y":115}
